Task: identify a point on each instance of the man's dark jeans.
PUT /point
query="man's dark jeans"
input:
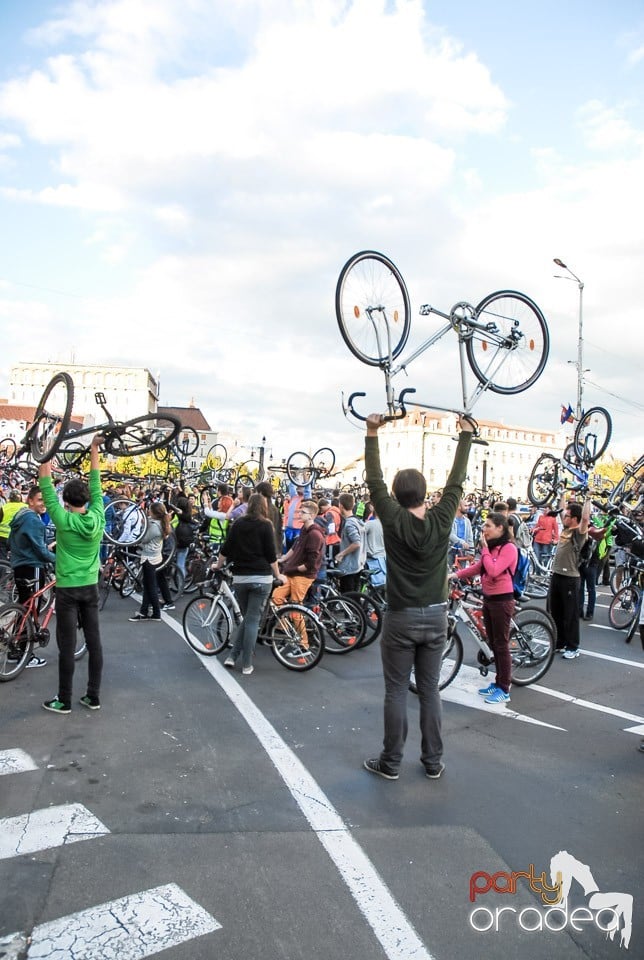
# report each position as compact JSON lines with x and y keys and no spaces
{"x":72,"y":604}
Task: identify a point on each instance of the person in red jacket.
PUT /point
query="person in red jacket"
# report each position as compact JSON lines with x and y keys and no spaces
{"x":497,"y":563}
{"x":545,"y":536}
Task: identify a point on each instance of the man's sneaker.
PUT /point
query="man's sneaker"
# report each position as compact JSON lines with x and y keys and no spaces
{"x":168,"y":606}
{"x":570,"y":654}
{"x":375,"y":766}
{"x":229,"y":662}
{"x":154,"y":619}
{"x":136,"y":617}
{"x":37,"y":662}
{"x":434,"y":770}
{"x":57,"y":706}
{"x":247,"y":670}
{"x":486,"y":691}
{"x":92,"y":703}
{"x":498,"y":696}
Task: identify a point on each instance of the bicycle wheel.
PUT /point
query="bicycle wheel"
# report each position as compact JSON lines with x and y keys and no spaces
{"x":625,"y":580}
{"x":51,"y":419}
{"x":125,"y":522}
{"x":7,"y":449}
{"x":141,"y":435}
{"x":372,"y":613}
{"x":217,"y":456}
{"x":16,"y":641}
{"x":295,"y":637}
{"x":592,"y":434}
{"x":161,"y":454}
{"x":81,"y":647}
{"x":299,"y":468}
{"x":105,"y":584}
{"x":542,"y":485}
{"x":372,"y":307}
{"x":323,"y":461}
{"x":623,"y":608}
{"x":8,"y":592}
{"x":343,"y":623}
{"x":207,"y":625}
{"x":450,"y":665}
{"x":532,"y":647}
{"x":128,"y":584}
{"x":250,"y":473}
{"x":71,"y":455}
{"x":175,"y":582}
{"x":187,"y":442}
{"x":630,"y":487}
{"x":518,"y":362}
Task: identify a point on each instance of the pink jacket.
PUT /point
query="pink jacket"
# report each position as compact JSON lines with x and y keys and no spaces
{"x":495,"y":567}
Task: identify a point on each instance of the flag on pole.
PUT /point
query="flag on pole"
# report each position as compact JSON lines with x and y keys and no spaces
{"x":567,"y":414}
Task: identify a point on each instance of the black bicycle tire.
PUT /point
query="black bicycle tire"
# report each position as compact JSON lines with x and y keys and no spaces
{"x":180,"y":442}
{"x":336,"y":644}
{"x":294,"y":472}
{"x":8,"y":448}
{"x":81,"y":646}
{"x":72,"y":455}
{"x":114,"y":440}
{"x":322,"y":473}
{"x":482,"y":308}
{"x":20,"y":664}
{"x":535,"y":498}
{"x":522,"y":621}
{"x":580,"y":451}
{"x":200,"y":607}
{"x":378,"y":292}
{"x":296,"y":662}
{"x":373,"y":616}
{"x":617,"y":603}
{"x":40,"y":453}
{"x":142,"y":523}
{"x":217,"y":456}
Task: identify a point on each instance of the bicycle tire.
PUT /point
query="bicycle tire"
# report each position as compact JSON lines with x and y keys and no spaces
{"x":343,"y":623}
{"x":623,"y":488}
{"x":450,"y":664}
{"x":81,"y":647}
{"x":544,"y":479}
{"x":175,"y":582}
{"x":128,"y":585}
{"x":595,"y":425}
{"x":187,"y":443}
{"x":104,"y":587}
{"x":285,"y":639}
{"x":71,"y":455}
{"x":516,"y":316}
{"x":532,"y":647}
{"x":207,"y":625}
{"x":8,"y":449}
{"x":626,"y":579}
{"x":49,"y":427}
{"x":372,"y":613}
{"x":217,"y":452}
{"x":369,"y":283}
{"x":323,"y":462}
{"x":141,"y":435}
{"x":124,"y":517}
{"x":299,"y":468}
{"x":161,"y":454}
{"x":7,"y":584}
{"x":624,"y":607}
{"x":12,"y":618}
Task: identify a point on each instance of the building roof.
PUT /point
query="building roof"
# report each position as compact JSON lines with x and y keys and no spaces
{"x":13,"y":411}
{"x":189,"y":417}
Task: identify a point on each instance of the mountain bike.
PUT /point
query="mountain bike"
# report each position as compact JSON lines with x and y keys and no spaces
{"x":504,"y":339}
{"x":532,"y":640}
{"x":292,"y":631}
{"x":629,"y":491}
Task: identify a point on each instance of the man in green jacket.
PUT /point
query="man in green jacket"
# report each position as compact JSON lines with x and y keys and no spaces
{"x":79,"y":530}
{"x":415,"y":623}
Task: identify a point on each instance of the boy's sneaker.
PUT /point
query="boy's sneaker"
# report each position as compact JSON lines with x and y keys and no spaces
{"x":136,"y":617}
{"x":498,"y":696}
{"x":247,"y":671}
{"x":434,"y":770}
{"x":92,"y":703}
{"x":229,"y":662}
{"x":486,"y":691}
{"x":37,"y":662}
{"x":375,"y":766}
{"x":168,"y":606}
{"x":570,"y":654}
{"x":57,"y":706}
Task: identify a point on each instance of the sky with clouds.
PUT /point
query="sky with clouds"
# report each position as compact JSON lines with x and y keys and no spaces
{"x":181,"y":182}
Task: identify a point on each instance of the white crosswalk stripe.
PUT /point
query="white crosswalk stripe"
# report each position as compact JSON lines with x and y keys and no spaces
{"x":130,"y":928}
{"x":15,"y":761}
{"x":44,"y":829}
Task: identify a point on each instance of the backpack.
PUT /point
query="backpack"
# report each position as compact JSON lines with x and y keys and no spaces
{"x":586,"y":552}
{"x":522,"y":535}
{"x":521,"y":573}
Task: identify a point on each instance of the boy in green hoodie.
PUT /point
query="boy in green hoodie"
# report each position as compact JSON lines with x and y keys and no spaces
{"x":79,"y":529}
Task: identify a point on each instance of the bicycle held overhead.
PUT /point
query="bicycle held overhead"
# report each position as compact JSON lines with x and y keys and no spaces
{"x":504,"y":339}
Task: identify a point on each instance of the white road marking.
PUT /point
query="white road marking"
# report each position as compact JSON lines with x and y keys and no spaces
{"x":606,"y":656}
{"x":578,"y":702}
{"x":464,"y":690}
{"x":15,"y":761}
{"x":44,"y":829}
{"x":127,"y":929}
{"x":391,"y":927}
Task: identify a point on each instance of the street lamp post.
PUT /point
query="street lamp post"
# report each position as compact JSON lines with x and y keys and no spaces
{"x":580,"y":340}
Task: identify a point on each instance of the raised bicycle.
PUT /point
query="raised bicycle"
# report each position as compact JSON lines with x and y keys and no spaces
{"x":504,"y":339}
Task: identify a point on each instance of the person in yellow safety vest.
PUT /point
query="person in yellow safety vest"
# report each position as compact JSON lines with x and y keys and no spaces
{"x":7,"y":513}
{"x":218,"y":523}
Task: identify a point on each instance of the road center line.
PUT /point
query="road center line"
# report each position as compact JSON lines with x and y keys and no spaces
{"x":394,"y":931}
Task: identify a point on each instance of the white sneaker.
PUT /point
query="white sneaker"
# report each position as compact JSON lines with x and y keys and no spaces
{"x":247,"y":671}
{"x":570,"y":654}
{"x":229,"y":662}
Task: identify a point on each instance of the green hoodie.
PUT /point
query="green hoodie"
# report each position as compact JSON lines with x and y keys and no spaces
{"x":416,"y":548}
{"x":78,"y":535}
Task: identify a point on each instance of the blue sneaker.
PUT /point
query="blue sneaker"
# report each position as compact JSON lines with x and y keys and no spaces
{"x":486,"y":691}
{"x":498,"y":696}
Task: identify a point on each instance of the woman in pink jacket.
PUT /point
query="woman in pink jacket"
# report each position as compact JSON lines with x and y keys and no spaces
{"x":497,"y":563}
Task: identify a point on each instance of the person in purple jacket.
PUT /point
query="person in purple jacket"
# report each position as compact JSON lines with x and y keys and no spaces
{"x":497,"y":563}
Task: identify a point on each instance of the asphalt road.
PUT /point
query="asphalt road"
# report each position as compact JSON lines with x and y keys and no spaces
{"x":210,"y":815}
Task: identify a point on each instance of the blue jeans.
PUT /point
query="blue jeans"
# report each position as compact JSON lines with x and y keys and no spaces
{"x":414,"y":637}
{"x":72,"y":603}
{"x":251,"y":598}
{"x":543,"y":552}
{"x":182,"y":553}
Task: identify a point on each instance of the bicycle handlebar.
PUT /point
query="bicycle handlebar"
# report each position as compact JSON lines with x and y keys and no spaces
{"x":400,"y":403}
